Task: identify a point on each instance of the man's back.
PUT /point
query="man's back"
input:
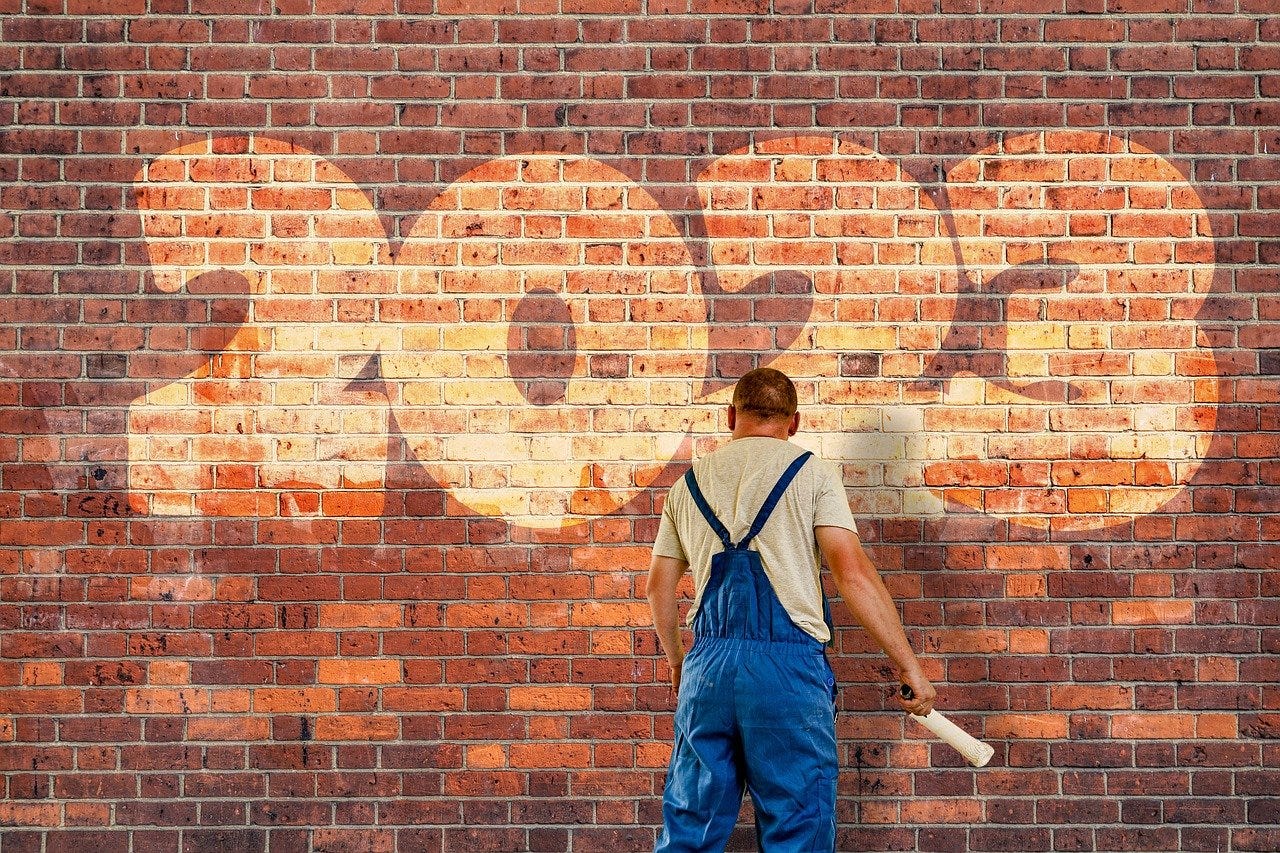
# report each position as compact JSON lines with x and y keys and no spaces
{"x":736,"y":479}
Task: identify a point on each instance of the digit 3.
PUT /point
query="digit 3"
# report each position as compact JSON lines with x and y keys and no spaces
{"x":1087,"y":258}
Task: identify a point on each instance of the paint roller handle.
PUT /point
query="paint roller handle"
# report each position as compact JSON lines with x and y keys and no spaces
{"x":974,"y":751}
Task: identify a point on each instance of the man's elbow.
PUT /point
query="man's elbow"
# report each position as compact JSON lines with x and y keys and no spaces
{"x":664,"y":577}
{"x":850,"y":565}
{"x":654,"y":598}
{"x":839,"y":548}
{"x":661,"y":593}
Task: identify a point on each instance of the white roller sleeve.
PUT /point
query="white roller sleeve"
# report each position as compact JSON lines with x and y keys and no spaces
{"x":974,"y":751}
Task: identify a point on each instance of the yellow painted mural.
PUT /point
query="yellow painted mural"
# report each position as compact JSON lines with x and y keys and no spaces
{"x":545,"y":339}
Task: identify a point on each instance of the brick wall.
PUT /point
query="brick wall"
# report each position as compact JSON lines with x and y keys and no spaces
{"x":350,"y":347}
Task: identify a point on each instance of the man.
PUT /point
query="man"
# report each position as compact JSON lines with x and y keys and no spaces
{"x":755,"y":696}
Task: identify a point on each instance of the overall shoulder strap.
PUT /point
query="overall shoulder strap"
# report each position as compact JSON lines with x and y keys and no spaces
{"x":705,"y":508}
{"x":776,"y":495}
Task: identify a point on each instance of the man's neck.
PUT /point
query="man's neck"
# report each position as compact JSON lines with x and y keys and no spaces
{"x":759,"y":429}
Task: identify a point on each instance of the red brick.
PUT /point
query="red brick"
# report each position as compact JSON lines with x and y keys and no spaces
{"x":1086,"y":605}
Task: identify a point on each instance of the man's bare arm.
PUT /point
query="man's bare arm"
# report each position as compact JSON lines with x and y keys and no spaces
{"x":862,"y":588}
{"x":664,"y":578}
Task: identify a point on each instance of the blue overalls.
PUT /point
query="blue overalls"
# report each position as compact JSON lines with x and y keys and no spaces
{"x":755,"y":709}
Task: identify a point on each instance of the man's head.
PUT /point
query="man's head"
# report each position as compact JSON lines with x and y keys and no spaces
{"x":764,"y":403}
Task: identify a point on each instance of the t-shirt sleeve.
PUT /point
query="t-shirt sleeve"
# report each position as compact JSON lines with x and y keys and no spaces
{"x":667,"y":543}
{"x":831,"y":504}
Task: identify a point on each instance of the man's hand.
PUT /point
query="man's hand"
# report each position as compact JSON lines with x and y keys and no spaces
{"x":676,"y":670}
{"x":916,"y":694}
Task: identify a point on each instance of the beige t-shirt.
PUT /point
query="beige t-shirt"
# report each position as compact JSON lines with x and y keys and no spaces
{"x":736,"y":479}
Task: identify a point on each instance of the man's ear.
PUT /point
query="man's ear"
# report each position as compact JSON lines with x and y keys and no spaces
{"x":795,"y":424}
{"x":732,"y":415}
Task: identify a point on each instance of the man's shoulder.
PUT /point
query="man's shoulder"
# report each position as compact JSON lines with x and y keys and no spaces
{"x":825,"y":467}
